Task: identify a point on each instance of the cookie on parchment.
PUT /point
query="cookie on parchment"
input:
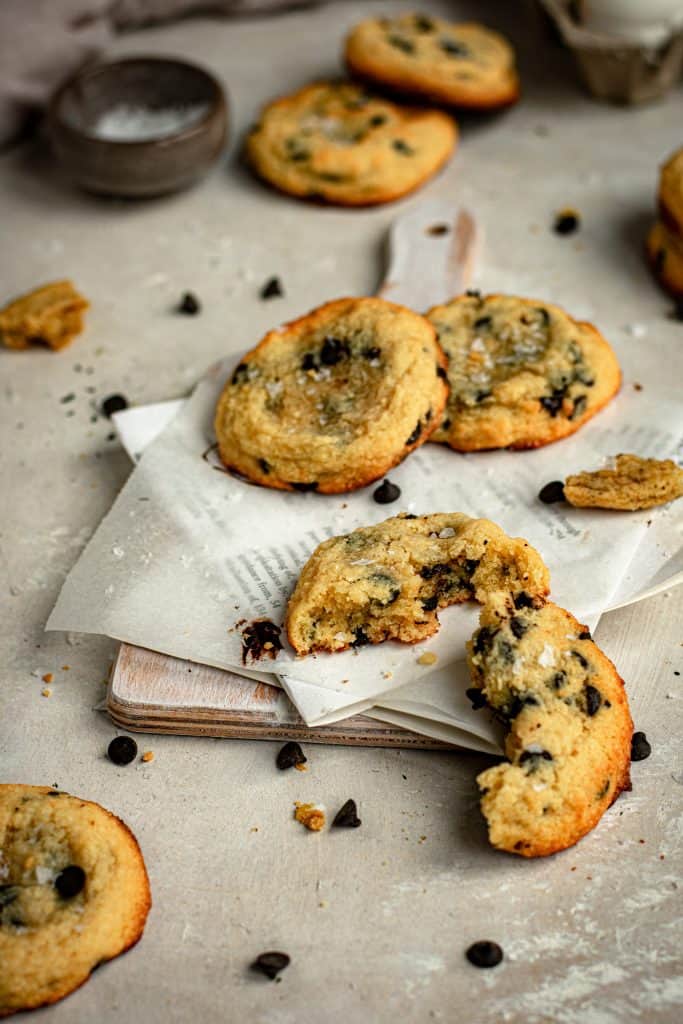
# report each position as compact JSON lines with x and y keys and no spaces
{"x":332,"y":401}
{"x":388,"y":581}
{"x":569,"y":739}
{"x":632,"y":483}
{"x":73,"y":893}
{"x":464,"y":65}
{"x":522,"y":372}
{"x":50,"y":315}
{"x":665,"y":253}
{"x":333,"y":141}
{"x":670,"y":195}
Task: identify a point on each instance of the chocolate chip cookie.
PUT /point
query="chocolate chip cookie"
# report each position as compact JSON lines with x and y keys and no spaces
{"x":388,"y":581}
{"x":73,"y":893}
{"x":465,"y":65}
{"x":50,"y":315}
{"x":664,"y":249}
{"x":569,"y":739}
{"x":670,"y":195}
{"x":522,"y":372}
{"x":632,"y":483}
{"x":333,"y":400}
{"x":334,"y":142}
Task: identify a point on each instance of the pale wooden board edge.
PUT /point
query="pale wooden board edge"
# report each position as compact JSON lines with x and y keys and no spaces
{"x":150,"y":715}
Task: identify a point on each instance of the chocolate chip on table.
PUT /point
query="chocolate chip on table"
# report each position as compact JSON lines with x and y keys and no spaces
{"x":114,"y":403}
{"x":272,"y":289}
{"x":289,"y":756}
{"x":189,"y":304}
{"x":566,"y":222}
{"x":270,"y":964}
{"x":484,"y":954}
{"x":70,"y":881}
{"x":122,"y":750}
{"x":386,"y":493}
{"x":552,"y":492}
{"x":640,"y":748}
{"x":347,"y":816}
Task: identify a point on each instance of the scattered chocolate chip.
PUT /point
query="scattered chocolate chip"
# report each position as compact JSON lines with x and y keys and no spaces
{"x":593,"y":699}
{"x":67,"y":398}
{"x":437,"y":230}
{"x":640,"y":748}
{"x":415,"y":434}
{"x":552,"y":492}
{"x":475,"y":695}
{"x":272,"y":289}
{"x":70,"y":881}
{"x":270,"y":964}
{"x":386,"y":493}
{"x":402,"y":147}
{"x":289,"y":755}
{"x":304,"y":487}
{"x":585,"y":634}
{"x":553,"y":403}
{"x":347,"y":816}
{"x":333,"y":351}
{"x":484,"y":954}
{"x":122,"y":750}
{"x":430,"y":603}
{"x":518,"y":627}
{"x":189,"y":304}
{"x":260,"y":638}
{"x":566,"y":222}
{"x":112,"y":404}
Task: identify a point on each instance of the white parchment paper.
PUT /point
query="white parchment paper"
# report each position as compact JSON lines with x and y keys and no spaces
{"x":188,"y":552}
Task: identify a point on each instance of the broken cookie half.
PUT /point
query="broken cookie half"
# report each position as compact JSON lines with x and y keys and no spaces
{"x":569,"y":739}
{"x":388,"y":581}
{"x":51,"y":315}
{"x":633,"y":483}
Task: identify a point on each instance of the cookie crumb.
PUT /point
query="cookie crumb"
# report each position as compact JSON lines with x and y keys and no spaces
{"x":189,"y":304}
{"x":310,"y":816}
{"x":147,"y":756}
{"x":48,"y":677}
{"x":272,"y":289}
{"x":301,"y":767}
{"x":637,"y":386}
{"x":46,"y":692}
{"x":428,"y":658}
{"x":65,"y":668}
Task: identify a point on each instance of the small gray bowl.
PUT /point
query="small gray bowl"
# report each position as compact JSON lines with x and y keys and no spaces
{"x":133,"y":166}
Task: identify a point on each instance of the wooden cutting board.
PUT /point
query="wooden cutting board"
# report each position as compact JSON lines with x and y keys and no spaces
{"x":150,"y":692}
{"x":431,"y":253}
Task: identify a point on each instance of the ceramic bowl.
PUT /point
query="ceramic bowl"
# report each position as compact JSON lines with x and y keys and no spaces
{"x":153,"y":94}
